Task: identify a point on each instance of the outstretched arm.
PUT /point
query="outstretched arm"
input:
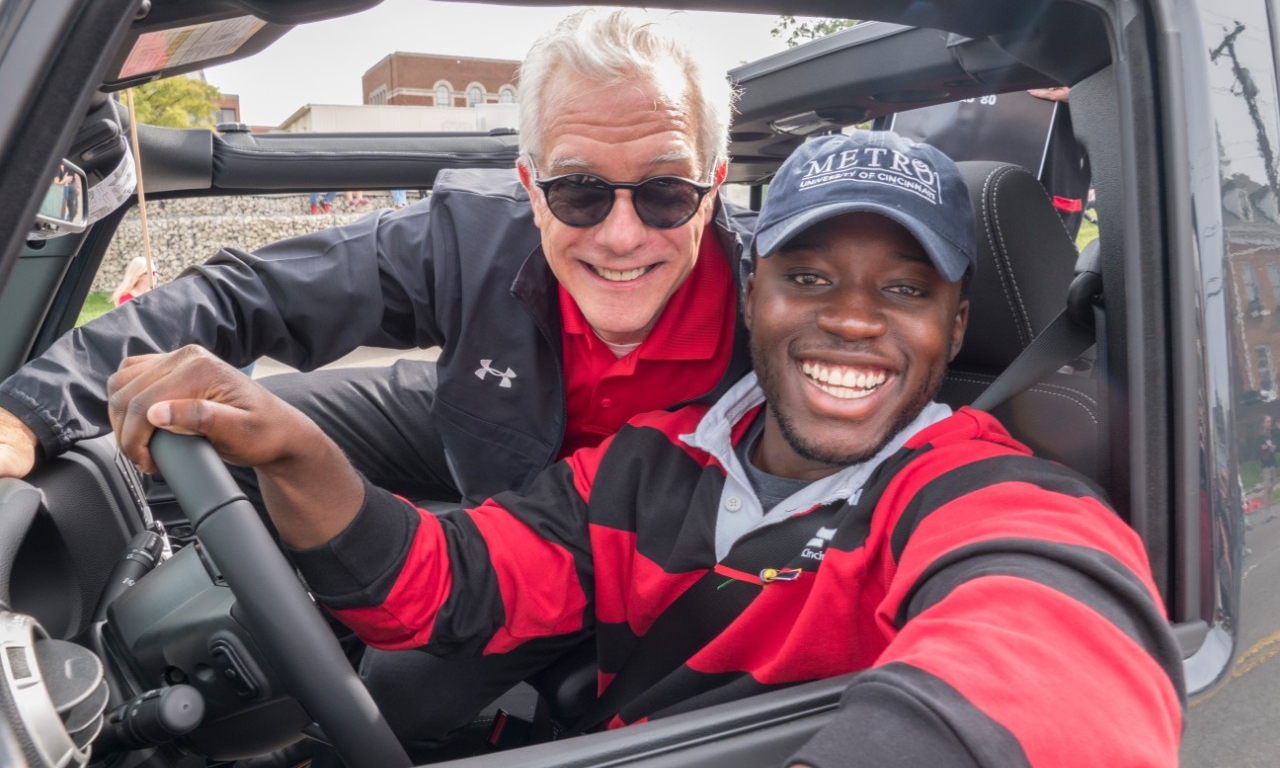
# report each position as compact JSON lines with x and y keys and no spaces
{"x":489,"y":578}
{"x":1024,"y":629}
{"x":305,"y":301}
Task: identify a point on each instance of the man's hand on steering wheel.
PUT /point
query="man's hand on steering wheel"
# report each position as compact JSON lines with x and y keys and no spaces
{"x":311,"y":492}
{"x":191,"y":392}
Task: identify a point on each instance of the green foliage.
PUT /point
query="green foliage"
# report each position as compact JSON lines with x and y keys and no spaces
{"x":96,"y":303}
{"x":177,"y":102}
{"x":798,"y":31}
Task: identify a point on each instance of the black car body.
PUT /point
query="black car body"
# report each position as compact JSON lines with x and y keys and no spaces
{"x":1176,"y":102}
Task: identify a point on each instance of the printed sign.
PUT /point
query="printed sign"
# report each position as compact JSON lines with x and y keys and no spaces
{"x":1009,"y":127}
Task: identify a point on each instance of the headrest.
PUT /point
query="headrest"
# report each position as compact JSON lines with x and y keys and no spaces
{"x":1026,"y":261}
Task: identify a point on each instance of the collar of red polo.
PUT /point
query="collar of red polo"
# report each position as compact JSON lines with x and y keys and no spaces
{"x":691,"y":324}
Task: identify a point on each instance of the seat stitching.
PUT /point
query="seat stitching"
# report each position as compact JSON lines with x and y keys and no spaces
{"x":1066,"y":391}
{"x":1004,"y":264}
{"x":1086,"y":403}
{"x":1065,"y":396}
{"x":1061,"y":222}
{"x":971,"y":378}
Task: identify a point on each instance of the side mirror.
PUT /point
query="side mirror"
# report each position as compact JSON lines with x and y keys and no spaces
{"x":65,"y":208}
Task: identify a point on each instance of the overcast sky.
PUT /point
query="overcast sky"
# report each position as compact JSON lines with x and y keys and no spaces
{"x":322,"y":63}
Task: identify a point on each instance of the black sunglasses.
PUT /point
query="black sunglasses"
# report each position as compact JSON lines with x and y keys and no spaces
{"x":662,"y":202}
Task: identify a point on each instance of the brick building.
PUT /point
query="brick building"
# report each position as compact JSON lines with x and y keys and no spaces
{"x":429,"y":80}
{"x":1252,"y":217}
{"x":228,"y":109}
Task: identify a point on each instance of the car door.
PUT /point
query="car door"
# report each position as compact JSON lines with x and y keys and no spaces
{"x":1230,"y":286}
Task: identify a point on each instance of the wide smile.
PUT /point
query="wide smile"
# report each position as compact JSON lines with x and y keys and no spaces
{"x":846,"y":382}
{"x":621,"y":275}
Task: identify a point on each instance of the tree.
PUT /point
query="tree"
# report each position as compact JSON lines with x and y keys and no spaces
{"x":798,"y":31}
{"x":177,"y":102}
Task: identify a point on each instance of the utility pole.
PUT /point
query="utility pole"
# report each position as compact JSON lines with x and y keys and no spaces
{"x":1250,"y":92}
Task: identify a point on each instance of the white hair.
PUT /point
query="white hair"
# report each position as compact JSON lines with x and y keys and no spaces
{"x":615,"y":48}
{"x":136,"y":268}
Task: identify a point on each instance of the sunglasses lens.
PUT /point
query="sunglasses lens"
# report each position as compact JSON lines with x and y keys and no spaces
{"x":666,"y":202}
{"x":579,"y":200}
{"x":582,"y":200}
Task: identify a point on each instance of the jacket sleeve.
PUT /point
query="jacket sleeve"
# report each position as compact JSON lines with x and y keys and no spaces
{"x":478,"y":581}
{"x":305,"y":301}
{"x":1025,"y":631}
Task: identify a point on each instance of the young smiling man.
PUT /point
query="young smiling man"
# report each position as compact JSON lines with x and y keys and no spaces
{"x":850,"y":319}
{"x":827,"y":517}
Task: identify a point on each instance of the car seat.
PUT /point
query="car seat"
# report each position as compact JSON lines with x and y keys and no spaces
{"x":1025,"y":268}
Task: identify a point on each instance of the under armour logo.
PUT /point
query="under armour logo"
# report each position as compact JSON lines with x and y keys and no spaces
{"x":486,"y":368}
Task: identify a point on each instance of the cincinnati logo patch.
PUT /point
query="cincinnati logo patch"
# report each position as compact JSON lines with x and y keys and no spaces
{"x":874,"y":165}
{"x":816,"y":548}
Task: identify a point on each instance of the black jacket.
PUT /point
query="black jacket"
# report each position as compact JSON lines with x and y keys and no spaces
{"x":464,"y":271}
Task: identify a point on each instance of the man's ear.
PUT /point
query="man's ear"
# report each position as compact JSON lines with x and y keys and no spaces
{"x":708,"y":205}
{"x":958,"y":328}
{"x":748,"y":295}
{"x":526,"y":180}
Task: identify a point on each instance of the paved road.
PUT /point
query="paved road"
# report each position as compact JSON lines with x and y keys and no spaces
{"x":364,"y":357}
{"x":1228,"y":719}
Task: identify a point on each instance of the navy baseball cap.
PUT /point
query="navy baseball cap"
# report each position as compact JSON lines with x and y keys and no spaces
{"x":880,"y":172}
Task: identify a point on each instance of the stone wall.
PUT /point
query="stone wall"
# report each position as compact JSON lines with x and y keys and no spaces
{"x":186,"y":232}
{"x":189,"y":231}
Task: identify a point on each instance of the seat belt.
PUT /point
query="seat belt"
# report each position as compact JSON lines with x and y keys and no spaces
{"x":1061,"y":341}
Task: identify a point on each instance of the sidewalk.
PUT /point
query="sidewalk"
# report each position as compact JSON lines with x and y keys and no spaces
{"x":364,"y":357}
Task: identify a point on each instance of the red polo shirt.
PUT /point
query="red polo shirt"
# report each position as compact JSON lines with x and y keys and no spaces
{"x":683,"y":357}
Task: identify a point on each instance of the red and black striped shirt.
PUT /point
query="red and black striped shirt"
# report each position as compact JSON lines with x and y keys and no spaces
{"x":998,"y":611}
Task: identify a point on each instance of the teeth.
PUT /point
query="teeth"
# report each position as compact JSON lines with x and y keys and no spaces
{"x":616,"y":276}
{"x":843,"y":382}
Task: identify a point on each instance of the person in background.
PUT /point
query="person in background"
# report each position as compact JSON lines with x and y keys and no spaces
{"x":137,"y":280}
{"x":1268,"y":441}
{"x":70,"y":193}
{"x":355,"y":199}
{"x":326,"y":205}
{"x":1066,"y":174}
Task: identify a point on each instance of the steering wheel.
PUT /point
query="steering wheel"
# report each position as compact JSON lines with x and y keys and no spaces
{"x":277,"y":611}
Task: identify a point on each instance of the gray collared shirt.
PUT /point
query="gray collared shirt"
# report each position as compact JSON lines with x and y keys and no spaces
{"x":740,"y":511}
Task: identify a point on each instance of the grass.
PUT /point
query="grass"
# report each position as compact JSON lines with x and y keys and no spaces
{"x":96,"y":303}
{"x":1250,"y":473}
{"x":1087,"y":234}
